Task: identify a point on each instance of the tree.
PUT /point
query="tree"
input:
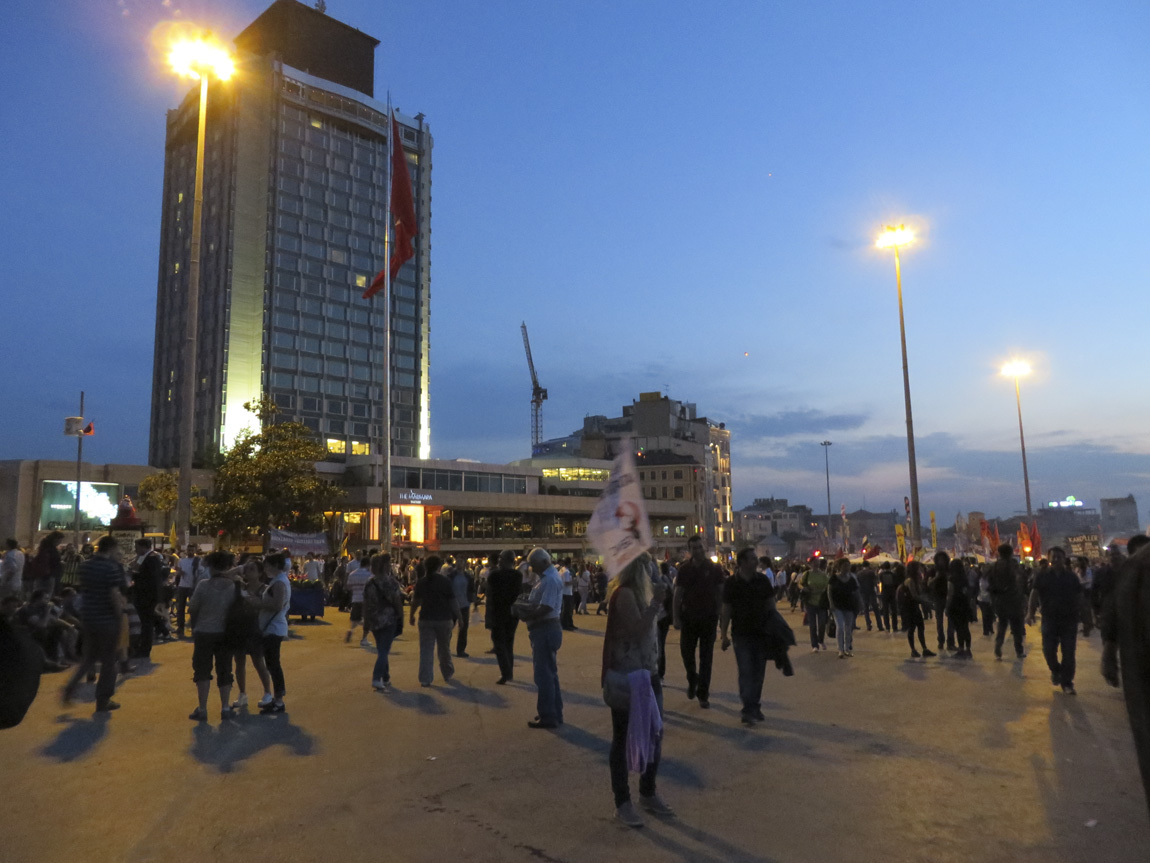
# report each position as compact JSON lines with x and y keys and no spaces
{"x":791,"y":538}
{"x":268,"y":479}
{"x":158,"y":493}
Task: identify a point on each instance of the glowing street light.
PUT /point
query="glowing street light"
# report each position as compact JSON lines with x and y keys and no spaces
{"x":1017,"y":369}
{"x":892,"y":237}
{"x":197,"y":58}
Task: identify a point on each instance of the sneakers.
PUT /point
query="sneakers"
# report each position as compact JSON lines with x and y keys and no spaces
{"x":264,"y":702}
{"x":227,"y":713}
{"x":704,"y":703}
{"x":842,"y":654}
{"x":274,"y":707}
{"x":914,"y":654}
{"x":656,"y":805}
{"x":381,"y":686}
{"x":928,"y":653}
{"x":109,"y":706}
{"x":363,"y":642}
{"x":814,"y":650}
{"x":627,"y":814}
{"x":1069,"y":689}
{"x":998,"y":652}
{"x":198,"y":715}
{"x":240,"y":703}
{"x":850,"y":653}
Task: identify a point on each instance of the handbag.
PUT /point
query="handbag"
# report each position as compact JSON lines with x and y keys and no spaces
{"x":617,"y":690}
{"x":831,"y":627}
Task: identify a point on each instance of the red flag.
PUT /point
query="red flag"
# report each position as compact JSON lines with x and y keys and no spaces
{"x":89,"y":429}
{"x":1035,"y":540}
{"x":997,"y":539}
{"x":402,"y":212}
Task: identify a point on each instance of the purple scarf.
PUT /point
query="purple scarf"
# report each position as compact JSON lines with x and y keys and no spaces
{"x":645,"y":725}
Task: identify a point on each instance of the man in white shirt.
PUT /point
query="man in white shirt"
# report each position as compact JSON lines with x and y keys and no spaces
{"x":546,"y":635}
{"x":357,"y":580}
{"x":312,"y":568}
{"x":190,"y":571}
{"x":567,"y":618}
{"x":11,"y":570}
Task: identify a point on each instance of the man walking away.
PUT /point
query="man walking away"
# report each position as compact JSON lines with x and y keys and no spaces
{"x":696,"y":606}
{"x":463,"y":586}
{"x":189,"y":573}
{"x":438,"y":611}
{"x":1004,"y":583}
{"x":888,"y":597}
{"x":868,"y":593}
{"x":937,"y":586}
{"x":102,"y":580}
{"x":546,"y":634}
{"x":357,"y":580}
{"x":1059,"y":592}
{"x":503,"y":587}
{"x":748,"y":601}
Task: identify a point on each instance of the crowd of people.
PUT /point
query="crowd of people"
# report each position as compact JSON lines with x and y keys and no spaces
{"x":111,"y":608}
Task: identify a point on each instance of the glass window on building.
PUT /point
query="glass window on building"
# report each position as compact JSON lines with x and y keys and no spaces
{"x":336,"y":447}
{"x":360,"y":448}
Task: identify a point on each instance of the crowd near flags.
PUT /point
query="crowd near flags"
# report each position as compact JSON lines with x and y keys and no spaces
{"x":402,"y":207}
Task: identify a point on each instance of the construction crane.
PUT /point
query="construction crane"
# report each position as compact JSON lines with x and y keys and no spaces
{"x":538,"y":394}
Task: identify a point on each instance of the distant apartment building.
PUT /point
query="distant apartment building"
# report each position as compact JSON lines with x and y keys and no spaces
{"x":1119,"y":517}
{"x":776,"y":527}
{"x":680,"y":457}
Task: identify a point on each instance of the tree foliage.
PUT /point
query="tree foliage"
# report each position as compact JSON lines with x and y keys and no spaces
{"x":268,"y":479}
{"x":158,"y":492}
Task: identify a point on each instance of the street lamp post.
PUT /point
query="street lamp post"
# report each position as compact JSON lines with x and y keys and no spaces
{"x":826,"y":445}
{"x":891,"y":238}
{"x":194,"y":58}
{"x":1017,"y":369}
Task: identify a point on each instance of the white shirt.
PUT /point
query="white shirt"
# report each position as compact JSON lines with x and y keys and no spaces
{"x":192,"y":571}
{"x":313,"y":570}
{"x":549,"y":592}
{"x":356,"y":581}
{"x":12,"y":570}
{"x":568,"y":582}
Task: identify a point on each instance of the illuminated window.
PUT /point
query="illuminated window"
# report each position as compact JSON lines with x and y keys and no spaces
{"x":336,"y":446}
{"x":360,"y":448}
{"x":177,"y":267}
{"x":316,"y":123}
{"x":180,"y":198}
{"x":361,"y":281}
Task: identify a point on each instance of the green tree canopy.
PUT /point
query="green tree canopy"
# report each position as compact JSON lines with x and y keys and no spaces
{"x":158,"y":492}
{"x":268,"y":479}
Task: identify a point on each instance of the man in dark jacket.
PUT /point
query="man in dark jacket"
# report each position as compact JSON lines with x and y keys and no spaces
{"x":1125,"y":626}
{"x":696,"y":604}
{"x":937,"y":587}
{"x":1059,"y":592}
{"x":503,"y":587}
{"x":147,"y":576}
{"x":1004,"y":581}
{"x":868,"y":593}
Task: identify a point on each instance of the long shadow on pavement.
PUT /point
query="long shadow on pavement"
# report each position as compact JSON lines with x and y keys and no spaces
{"x":672,"y":769}
{"x":77,"y":738}
{"x":727,"y":852}
{"x":421,"y":701}
{"x":229,"y":744}
{"x":474,"y":695}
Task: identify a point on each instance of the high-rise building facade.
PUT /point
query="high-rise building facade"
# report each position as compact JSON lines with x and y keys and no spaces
{"x":294,"y":225}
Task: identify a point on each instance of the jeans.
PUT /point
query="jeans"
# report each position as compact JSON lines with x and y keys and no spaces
{"x":618,"y":757}
{"x":664,"y":625}
{"x":101,"y":644}
{"x":503,"y":640}
{"x":464,"y":624}
{"x":941,"y":622}
{"x":183,"y":594}
{"x":987,"y":612}
{"x":384,"y":636}
{"x":751,"y":659}
{"x":1009,"y":612}
{"x":701,"y":634}
{"x":567,"y":613}
{"x":845,"y":628}
{"x":889,"y":610}
{"x":272,"y":660}
{"x":817,"y":622}
{"x":546,"y":639}
{"x":870,"y":603}
{"x":1060,"y":634}
{"x":435,"y":635}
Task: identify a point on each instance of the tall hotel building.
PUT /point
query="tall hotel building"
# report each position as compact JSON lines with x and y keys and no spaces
{"x":295,"y":187}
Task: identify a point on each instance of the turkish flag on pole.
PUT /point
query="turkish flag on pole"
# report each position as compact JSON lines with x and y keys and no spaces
{"x":402,"y":212}
{"x":89,"y":429}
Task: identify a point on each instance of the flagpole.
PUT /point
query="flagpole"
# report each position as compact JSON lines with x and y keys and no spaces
{"x":79,"y":474}
{"x":385,"y":479}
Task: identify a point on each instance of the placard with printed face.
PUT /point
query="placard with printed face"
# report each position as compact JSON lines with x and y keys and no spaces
{"x":619,"y":528}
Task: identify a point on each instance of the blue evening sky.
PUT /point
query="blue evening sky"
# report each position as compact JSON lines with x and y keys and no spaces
{"x":675,"y":196}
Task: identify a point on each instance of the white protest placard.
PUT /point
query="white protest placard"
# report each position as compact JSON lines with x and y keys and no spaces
{"x":619,"y":529}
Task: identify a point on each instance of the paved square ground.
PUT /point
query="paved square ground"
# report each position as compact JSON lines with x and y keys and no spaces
{"x":874,"y":758}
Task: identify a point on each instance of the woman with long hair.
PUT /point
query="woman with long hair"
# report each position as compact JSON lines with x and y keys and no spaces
{"x":631,"y":644}
{"x":910,"y":600}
